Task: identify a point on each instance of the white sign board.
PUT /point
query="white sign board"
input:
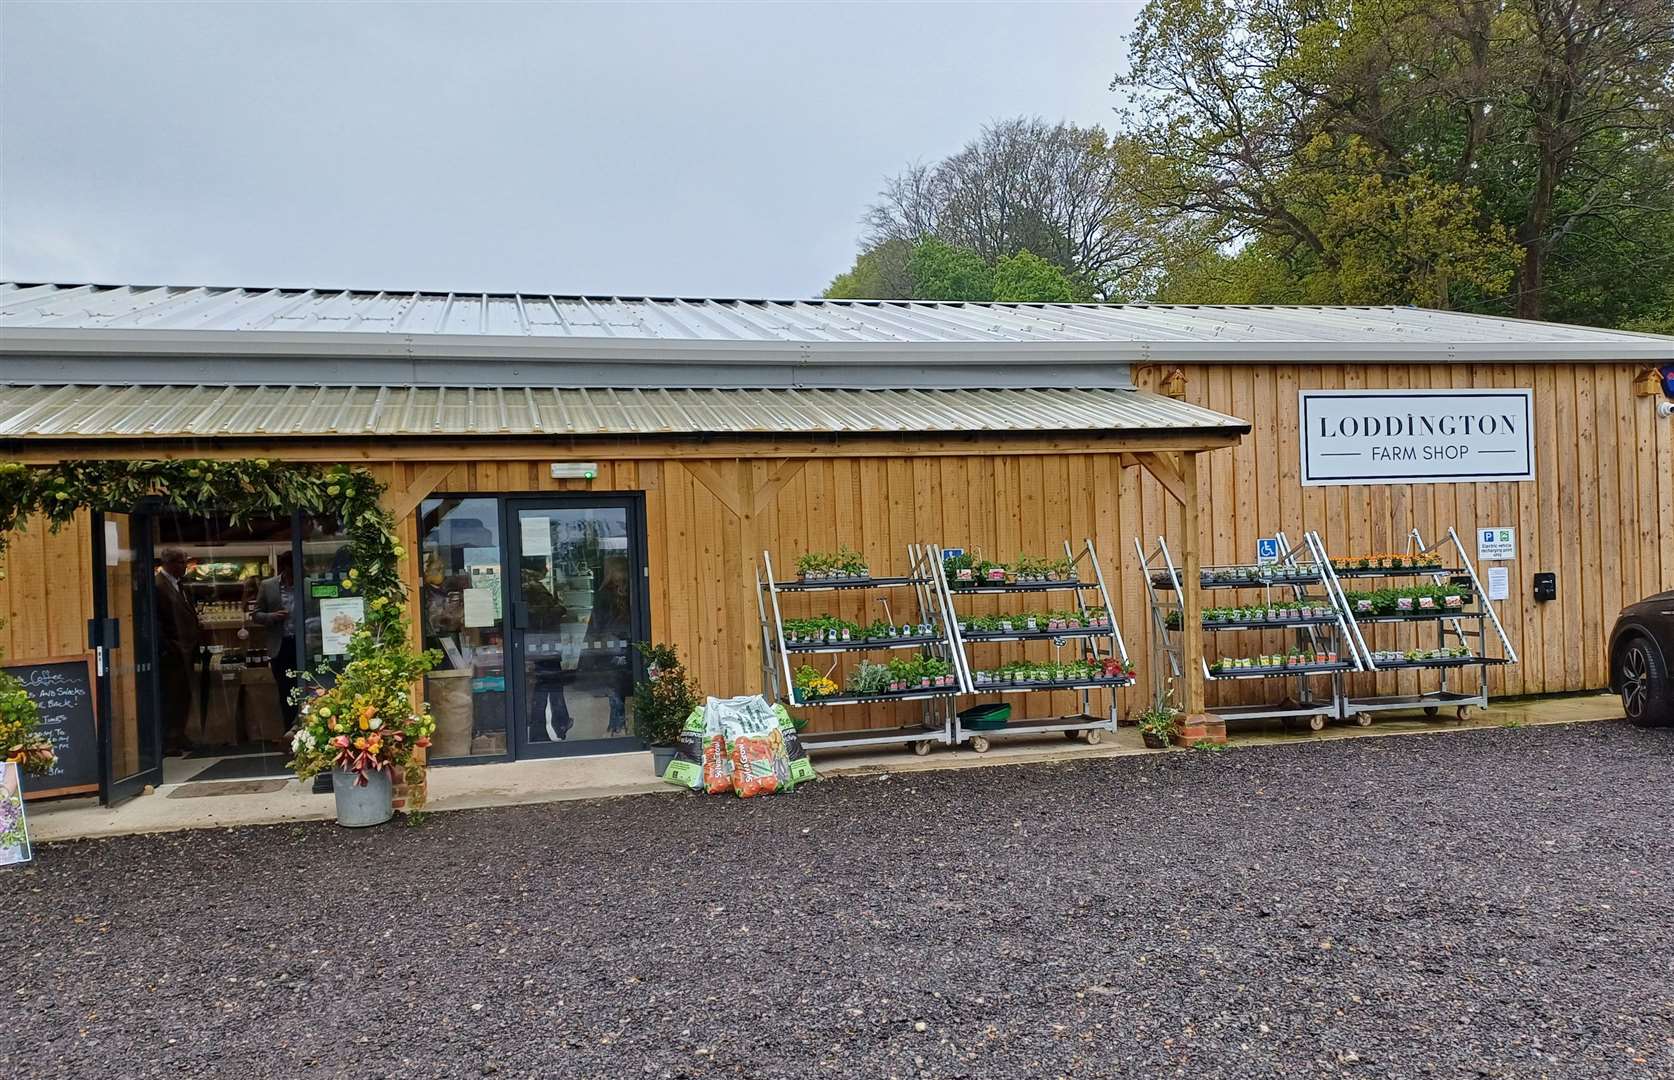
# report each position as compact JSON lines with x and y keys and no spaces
{"x":1496,"y":544}
{"x":340,"y":616}
{"x":1499,"y":583}
{"x":1416,"y":436}
{"x":1267,"y":550}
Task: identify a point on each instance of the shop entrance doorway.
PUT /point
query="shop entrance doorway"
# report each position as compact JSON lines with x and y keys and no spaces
{"x":199,"y":622}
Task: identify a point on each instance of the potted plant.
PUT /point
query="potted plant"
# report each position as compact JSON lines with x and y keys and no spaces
{"x":809,"y":684}
{"x":811,"y":567}
{"x":960,"y":569}
{"x":663,"y":699}
{"x":363,"y":728}
{"x":1158,"y":724}
{"x":21,"y":740}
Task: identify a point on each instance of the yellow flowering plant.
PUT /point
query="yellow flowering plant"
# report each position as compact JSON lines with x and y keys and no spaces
{"x":365,"y":720}
{"x":20,"y":728}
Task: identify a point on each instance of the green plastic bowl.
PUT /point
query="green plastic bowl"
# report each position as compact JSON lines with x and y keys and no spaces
{"x":985,"y":717}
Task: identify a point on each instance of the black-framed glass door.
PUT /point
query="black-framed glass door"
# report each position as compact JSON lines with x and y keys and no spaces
{"x":123,"y":638}
{"x":577,"y":601}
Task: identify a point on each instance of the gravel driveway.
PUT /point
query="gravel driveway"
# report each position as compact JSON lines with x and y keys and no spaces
{"x":1486,"y":903}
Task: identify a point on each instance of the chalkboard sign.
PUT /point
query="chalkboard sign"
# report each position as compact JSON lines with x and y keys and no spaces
{"x":62,"y":688}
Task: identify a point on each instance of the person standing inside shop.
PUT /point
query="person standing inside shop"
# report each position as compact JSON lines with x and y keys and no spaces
{"x":179,"y":634}
{"x":275,"y":611}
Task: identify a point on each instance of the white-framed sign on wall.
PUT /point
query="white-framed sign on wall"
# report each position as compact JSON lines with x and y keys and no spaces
{"x":1416,"y":436}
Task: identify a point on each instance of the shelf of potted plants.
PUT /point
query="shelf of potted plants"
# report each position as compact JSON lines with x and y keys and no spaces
{"x":1312,"y":620}
{"x":968,"y":575}
{"x":829,"y":634}
{"x":827,"y":571}
{"x":1101,"y":663}
{"x":1241,"y":576}
{"x":931,"y":673}
{"x":1453,"y":602}
{"x":1037,"y":625}
{"x":1410,"y":563}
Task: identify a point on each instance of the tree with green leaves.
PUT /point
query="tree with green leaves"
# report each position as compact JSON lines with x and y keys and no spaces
{"x":935,"y":270}
{"x":1409,"y":150}
{"x":1022,"y":185}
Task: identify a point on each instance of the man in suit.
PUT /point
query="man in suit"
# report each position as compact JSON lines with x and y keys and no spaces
{"x":276,"y":611}
{"x":179,"y":634}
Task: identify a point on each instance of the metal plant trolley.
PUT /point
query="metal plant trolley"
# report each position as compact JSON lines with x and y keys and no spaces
{"x":1457,"y":630}
{"x":777,"y":653}
{"x":1102,"y":641}
{"x":1318,"y":622}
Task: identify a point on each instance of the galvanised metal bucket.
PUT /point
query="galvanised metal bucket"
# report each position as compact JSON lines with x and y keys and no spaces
{"x":370,"y":804}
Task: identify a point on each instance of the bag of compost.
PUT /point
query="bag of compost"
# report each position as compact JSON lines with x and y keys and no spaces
{"x":801,"y":769}
{"x":754,"y":743}
{"x":686,"y":770}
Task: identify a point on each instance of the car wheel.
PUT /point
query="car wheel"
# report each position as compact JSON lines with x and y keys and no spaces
{"x":1644,"y":683}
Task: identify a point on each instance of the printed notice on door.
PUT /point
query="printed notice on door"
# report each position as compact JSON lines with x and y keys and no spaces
{"x":339,"y":617}
{"x":536,"y":536}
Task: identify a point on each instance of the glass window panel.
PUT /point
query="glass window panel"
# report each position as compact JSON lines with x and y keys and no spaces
{"x":576,"y":583}
{"x":461,"y":605}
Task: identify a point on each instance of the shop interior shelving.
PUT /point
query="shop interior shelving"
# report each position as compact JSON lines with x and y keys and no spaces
{"x":1278,"y":585}
{"x":1465,"y":627}
{"x":1086,"y":579}
{"x":777,"y":653}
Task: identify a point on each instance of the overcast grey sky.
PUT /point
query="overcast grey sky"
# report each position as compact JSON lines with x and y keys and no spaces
{"x":697,"y":149}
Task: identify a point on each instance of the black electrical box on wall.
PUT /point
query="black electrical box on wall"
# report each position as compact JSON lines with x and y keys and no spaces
{"x":1545,"y":587}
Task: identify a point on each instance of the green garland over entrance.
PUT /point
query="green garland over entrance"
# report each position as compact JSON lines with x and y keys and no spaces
{"x":243,"y":489}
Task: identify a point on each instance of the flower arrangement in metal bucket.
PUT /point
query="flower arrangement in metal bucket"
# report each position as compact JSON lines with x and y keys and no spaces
{"x":20,"y":728}
{"x":366,"y":721}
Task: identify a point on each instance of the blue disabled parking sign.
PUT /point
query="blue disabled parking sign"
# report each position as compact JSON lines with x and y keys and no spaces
{"x":1267,"y":550}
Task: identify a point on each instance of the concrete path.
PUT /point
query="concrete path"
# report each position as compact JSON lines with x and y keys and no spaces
{"x":224,"y":804}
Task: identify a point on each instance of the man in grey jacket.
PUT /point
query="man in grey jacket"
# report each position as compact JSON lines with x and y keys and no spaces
{"x":276,"y":612}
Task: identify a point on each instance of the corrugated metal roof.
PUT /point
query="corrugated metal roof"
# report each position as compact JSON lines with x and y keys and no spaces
{"x":252,"y":321}
{"x":198,"y":411}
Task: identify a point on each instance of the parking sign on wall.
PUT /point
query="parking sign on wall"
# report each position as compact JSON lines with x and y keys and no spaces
{"x":1496,"y":544}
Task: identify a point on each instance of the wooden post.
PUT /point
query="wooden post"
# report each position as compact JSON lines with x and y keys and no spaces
{"x":1196,"y":725}
{"x":1191,"y":617}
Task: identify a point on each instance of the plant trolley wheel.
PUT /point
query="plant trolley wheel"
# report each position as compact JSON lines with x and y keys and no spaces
{"x":1363,"y":719}
{"x":1316,"y":722}
{"x":1464,"y":713}
{"x":921,"y":748}
{"x":1432,"y":710}
{"x":979,"y":743}
{"x":1093,"y":736}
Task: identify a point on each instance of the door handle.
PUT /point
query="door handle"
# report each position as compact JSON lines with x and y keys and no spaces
{"x":520,"y":615}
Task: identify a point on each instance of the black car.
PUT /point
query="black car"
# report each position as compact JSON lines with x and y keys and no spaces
{"x":1641,"y":647}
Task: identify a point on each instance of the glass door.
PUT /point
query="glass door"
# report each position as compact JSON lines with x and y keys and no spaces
{"x":577,"y":609}
{"x":123,"y":636}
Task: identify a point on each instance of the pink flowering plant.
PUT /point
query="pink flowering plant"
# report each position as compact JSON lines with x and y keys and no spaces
{"x":365,"y":720}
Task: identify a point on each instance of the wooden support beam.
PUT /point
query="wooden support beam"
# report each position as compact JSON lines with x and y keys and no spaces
{"x":1168,"y":471}
{"x":1197,"y":725}
{"x":403,"y":502}
{"x":1191,"y":617}
{"x":724,"y":487}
